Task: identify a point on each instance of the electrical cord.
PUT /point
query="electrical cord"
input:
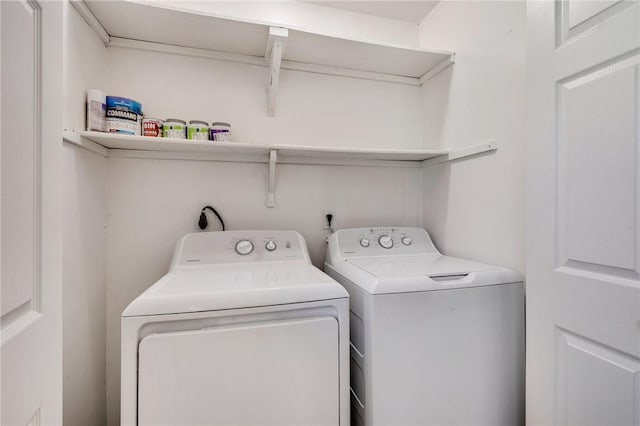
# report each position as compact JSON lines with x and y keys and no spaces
{"x":203,"y":223}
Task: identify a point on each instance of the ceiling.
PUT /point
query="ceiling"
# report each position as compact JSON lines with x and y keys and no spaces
{"x":409,"y":11}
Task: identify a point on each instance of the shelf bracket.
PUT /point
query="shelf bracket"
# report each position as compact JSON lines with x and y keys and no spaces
{"x":273,"y":55}
{"x":443,"y":65}
{"x":456,"y":154}
{"x":271,"y":196}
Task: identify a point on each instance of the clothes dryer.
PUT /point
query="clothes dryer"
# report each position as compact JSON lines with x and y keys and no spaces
{"x":242,"y":330}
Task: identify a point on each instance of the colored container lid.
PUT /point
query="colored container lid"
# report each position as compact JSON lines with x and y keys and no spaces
{"x":124,"y":103}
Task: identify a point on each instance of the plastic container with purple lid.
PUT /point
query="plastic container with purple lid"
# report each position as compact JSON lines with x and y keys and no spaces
{"x":220,"y":132}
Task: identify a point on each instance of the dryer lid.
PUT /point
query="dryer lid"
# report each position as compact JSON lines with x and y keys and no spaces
{"x":241,"y":285}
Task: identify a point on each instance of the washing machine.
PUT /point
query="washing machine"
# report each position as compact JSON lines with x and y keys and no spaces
{"x":242,"y":330}
{"x":435,"y":340}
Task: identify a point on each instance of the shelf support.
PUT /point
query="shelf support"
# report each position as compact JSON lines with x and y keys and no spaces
{"x":443,"y":65}
{"x":271,"y":196}
{"x":273,"y":55}
{"x":456,"y":154}
{"x":78,"y":140}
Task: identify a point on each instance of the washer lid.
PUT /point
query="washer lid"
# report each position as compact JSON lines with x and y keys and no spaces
{"x":425,"y":272}
{"x":420,"y":265}
{"x":240,"y":285}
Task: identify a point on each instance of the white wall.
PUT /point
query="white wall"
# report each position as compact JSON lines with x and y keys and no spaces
{"x":85,"y":67}
{"x":84,"y":220}
{"x":313,"y":109}
{"x":84,"y":328}
{"x":475,"y":208}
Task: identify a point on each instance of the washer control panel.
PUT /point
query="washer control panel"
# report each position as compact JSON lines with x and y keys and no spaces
{"x":240,"y":246}
{"x":365,"y":242}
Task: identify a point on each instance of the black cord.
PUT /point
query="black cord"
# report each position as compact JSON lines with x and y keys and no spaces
{"x":202,"y":223}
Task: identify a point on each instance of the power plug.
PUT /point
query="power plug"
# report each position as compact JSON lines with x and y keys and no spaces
{"x":327,"y":220}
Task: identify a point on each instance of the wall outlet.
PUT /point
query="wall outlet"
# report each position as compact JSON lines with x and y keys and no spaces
{"x":325,"y":222}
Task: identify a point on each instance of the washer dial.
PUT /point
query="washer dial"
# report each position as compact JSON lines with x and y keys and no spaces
{"x":406,"y":241}
{"x":364,"y":242}
{"x":244,"y":247}
{"x":270,"y":245}
{"x":385,"y":241}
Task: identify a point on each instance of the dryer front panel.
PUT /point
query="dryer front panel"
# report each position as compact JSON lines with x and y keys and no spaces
{"x":282,"y":372}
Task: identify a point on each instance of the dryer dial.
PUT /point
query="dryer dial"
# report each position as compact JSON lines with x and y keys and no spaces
{"x":244,"y":247}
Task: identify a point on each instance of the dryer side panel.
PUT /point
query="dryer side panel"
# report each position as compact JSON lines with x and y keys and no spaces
{"x":282,"y":372}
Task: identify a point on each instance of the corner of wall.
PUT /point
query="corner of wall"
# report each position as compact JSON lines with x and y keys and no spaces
{"x":84,"y":196}
{"x":475,"y":207}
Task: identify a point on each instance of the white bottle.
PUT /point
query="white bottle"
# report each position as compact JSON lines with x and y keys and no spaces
{"x":96,"y":110}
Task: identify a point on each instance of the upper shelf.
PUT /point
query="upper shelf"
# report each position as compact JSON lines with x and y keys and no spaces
{"x":165,"y":24}
{"x":312,"y":154}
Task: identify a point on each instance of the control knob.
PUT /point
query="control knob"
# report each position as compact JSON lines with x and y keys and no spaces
{"x":364,"y":242}
{"x":406,"y":241}
{"x":385,"y":241}
{"x":244,"y":247}
{"x":271,"y":245}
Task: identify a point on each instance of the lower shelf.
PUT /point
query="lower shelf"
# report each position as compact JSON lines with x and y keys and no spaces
{"x":114,"y":145}
{"x":111,"y":141}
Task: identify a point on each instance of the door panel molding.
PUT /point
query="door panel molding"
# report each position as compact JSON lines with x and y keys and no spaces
{"x":597,"y":194}
{"x":31,"y":261}
{"x":37,"y":132}
{"x":17,"y":320}
{"x":584,"y":365}
{"x":575,"y":18}
{"x":600,"y":272}
{"x":36,"y":419}
{"x":619,"y":33}
{"x":24,"y":308}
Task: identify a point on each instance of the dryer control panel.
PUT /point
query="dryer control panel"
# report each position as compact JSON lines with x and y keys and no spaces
{"x":206,"y":248}
{"x":382,"y":241}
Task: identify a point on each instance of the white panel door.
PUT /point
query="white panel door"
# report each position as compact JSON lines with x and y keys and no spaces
{"x":275,"y":373}
{"x":30,"y":250}
{"x":583,"y":213}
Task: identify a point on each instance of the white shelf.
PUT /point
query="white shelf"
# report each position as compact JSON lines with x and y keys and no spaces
{"x":124,"y":21}
{"x":254,"y":152}
{"x":114,"y":145}
{"x":180,"y":28}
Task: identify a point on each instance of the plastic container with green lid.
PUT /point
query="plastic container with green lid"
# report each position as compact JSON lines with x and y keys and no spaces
{"x":174,"y":128}
{"x":198,"y":130}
